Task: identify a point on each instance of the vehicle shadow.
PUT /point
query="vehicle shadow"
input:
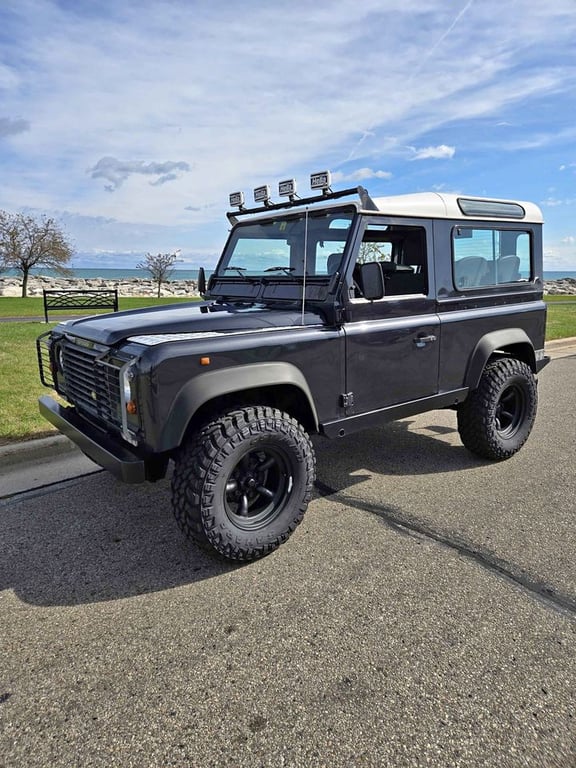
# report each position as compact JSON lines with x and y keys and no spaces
{"x":408,"y":447}
{"x":96,"y":539}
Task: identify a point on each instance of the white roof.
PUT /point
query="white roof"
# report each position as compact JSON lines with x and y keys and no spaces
{"x":429,"y":205}
{"x":437,"y":205}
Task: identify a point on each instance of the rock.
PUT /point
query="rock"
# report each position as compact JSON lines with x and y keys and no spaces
{"x":134,"y":286}
{"x":566,"y":286}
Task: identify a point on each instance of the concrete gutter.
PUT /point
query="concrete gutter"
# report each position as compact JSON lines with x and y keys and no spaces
{"x":561,"y":347}
{"x":36,"y":450}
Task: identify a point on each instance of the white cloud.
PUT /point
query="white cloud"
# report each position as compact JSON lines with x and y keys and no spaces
{"x":441,"y":152}
{"x":117,"y":171}
{"x":204,"y":87}
{"x":555,"y":202}
{"x":559,"y":255}
{"x":10,"y":126}
{"x":362,"y":174}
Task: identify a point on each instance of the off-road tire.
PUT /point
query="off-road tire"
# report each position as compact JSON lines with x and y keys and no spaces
{"x":496,"y":418}
{"x":241,"y":484}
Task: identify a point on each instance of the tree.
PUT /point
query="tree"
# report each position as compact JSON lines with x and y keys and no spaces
{"x":160,"y":267}
{"x":26,"y":242}
{"x":373,"y":252}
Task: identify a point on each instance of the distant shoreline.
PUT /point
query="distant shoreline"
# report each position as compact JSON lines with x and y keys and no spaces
{"x":91,"y":273}
{"x":132,"y":286}
{"x":141,"y":286}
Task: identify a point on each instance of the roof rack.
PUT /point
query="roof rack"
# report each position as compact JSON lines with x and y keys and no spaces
{"x":294,"y":202}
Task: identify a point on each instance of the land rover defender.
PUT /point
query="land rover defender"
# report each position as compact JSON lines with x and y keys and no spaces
{"x":324,"y":315}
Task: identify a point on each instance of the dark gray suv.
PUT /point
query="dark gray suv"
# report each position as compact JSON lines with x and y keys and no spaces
{"x":323,"y":316}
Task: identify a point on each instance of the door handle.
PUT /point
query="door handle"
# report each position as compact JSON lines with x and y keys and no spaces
{"x":421,"y":341}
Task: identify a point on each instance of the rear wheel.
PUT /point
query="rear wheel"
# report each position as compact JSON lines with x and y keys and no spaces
{"x":496,"y":419}
{"x":242,"y":484}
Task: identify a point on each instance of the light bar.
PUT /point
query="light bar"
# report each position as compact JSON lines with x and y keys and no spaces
{"x":262,"y":194}
{"x":237,"y":199}
{"x":322,"y":180}
{"x":287,"y":188}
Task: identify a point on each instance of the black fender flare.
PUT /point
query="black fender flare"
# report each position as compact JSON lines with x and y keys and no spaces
{"x":509,"y":339}
{"x":226,"y":381}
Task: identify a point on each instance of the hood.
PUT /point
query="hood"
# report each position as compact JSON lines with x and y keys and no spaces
{"x":185,"y":318}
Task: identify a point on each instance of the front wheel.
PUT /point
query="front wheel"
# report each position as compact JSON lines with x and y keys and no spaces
{"x":242,"y":484}
{"x":496,"y":419}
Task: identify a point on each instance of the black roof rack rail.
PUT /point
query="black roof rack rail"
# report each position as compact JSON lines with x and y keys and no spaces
{"x":365,"y":199}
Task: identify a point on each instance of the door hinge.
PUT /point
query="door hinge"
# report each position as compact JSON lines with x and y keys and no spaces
{"x":347,"y":400}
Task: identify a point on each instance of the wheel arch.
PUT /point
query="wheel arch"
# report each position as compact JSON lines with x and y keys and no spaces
{"x":281,"y":385}
{"x":511,"y":342}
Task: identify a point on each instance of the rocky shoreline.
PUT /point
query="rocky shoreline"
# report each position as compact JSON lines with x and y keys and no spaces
{"x":566,"y":286}
{"x":136,"y":286}
{"x":133,"y":286}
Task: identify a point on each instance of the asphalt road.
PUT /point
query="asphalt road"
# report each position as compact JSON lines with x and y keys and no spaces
{"x":423,"y":614}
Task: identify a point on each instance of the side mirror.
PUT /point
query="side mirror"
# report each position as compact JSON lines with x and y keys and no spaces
{"x":371,"y":280}
{"x":201,"y":281}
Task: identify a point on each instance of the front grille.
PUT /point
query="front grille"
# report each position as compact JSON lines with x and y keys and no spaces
{"x":92,"y":382}
{"x":86,"y":374}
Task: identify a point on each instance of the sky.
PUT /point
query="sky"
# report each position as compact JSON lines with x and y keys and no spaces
{"x":130,"y":122}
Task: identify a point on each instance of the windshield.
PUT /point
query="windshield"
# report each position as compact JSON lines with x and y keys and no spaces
{"x":288,"y":247}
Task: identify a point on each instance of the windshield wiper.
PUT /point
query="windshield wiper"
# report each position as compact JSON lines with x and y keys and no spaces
{"x":286,"y":270}
{"x":240,"y":270}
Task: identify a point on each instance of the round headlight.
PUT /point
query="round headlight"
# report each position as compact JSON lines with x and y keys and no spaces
{"x":60,"y":358}
{"x":127,"y":389}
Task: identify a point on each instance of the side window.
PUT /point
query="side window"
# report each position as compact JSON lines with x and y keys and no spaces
{"x":484,"y":257}
{"x":400,"y":252}
{"x":330,"y":248}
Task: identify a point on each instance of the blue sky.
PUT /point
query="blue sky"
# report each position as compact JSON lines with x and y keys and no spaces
{"x":131,"y":122}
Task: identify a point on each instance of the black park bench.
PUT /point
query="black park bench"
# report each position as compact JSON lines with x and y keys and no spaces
{"x":56,"y":300}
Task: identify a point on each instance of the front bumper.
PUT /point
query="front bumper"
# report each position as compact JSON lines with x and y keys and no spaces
{"x":117,"y":458}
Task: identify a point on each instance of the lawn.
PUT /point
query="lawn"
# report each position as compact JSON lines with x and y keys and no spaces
{"x":20,"y":386}
{"x":33,"y":306}
{"x":561,"y":320}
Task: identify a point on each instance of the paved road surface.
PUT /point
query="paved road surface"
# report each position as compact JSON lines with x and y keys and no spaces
{"x":423,"y":614}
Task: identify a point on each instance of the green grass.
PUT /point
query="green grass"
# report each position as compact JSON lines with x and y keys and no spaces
{"x":33,"y":306}
{"x":561,"y":320}
{"x":20,"y":385}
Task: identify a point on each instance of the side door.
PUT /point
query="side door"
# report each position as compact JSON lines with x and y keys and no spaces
{"x":392,"y":344}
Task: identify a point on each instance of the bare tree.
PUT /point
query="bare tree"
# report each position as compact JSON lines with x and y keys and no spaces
{"x":160,"y":267}
{"x":26,"y":242}
{"x":372,"y":252}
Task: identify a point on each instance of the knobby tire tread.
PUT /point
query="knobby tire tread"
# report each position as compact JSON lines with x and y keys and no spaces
{"x":197,"y":467}
{"x":476,"y":416}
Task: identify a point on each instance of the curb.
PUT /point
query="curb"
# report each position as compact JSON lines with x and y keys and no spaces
{"x":34,"y":450}
{"x":552,"y":346}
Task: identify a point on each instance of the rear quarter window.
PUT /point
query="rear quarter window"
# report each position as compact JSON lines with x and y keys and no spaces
{"x":490,"y":256}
